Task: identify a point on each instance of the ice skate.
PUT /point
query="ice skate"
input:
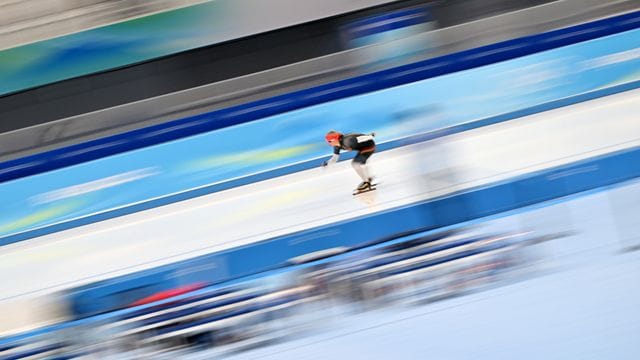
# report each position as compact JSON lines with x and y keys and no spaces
{"x":364,"y":186}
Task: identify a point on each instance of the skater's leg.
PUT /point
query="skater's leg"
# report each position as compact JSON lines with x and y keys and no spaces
{"x":359,"y":164}
{"x":361,"y":170}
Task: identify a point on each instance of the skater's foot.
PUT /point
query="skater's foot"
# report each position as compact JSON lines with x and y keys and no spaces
{"x":364,"y":185}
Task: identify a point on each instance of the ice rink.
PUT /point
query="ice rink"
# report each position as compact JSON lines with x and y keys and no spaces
{"x":319,"y":196}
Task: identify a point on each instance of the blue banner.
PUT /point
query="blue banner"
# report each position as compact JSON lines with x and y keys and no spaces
{"x":297,"y":136}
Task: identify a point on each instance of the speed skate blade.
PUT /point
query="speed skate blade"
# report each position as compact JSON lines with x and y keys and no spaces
{"x":358,"y":192}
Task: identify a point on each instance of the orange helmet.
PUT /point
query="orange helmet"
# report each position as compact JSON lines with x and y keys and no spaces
{"x":332,"y":135}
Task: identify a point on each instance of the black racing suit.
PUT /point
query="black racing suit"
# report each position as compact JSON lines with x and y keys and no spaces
{"x":362,"y":143}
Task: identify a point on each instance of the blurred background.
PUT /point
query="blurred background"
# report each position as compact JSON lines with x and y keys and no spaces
{"x":162,"y":195}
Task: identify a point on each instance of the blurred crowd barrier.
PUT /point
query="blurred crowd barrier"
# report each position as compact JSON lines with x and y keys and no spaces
{"x":291,"y":302}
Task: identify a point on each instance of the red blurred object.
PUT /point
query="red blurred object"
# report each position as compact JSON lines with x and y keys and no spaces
{"x":167,"y":294}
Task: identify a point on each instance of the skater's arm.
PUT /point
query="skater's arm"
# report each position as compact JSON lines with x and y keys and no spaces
{"x":335,"y":156}
{"x":333,"y":160}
